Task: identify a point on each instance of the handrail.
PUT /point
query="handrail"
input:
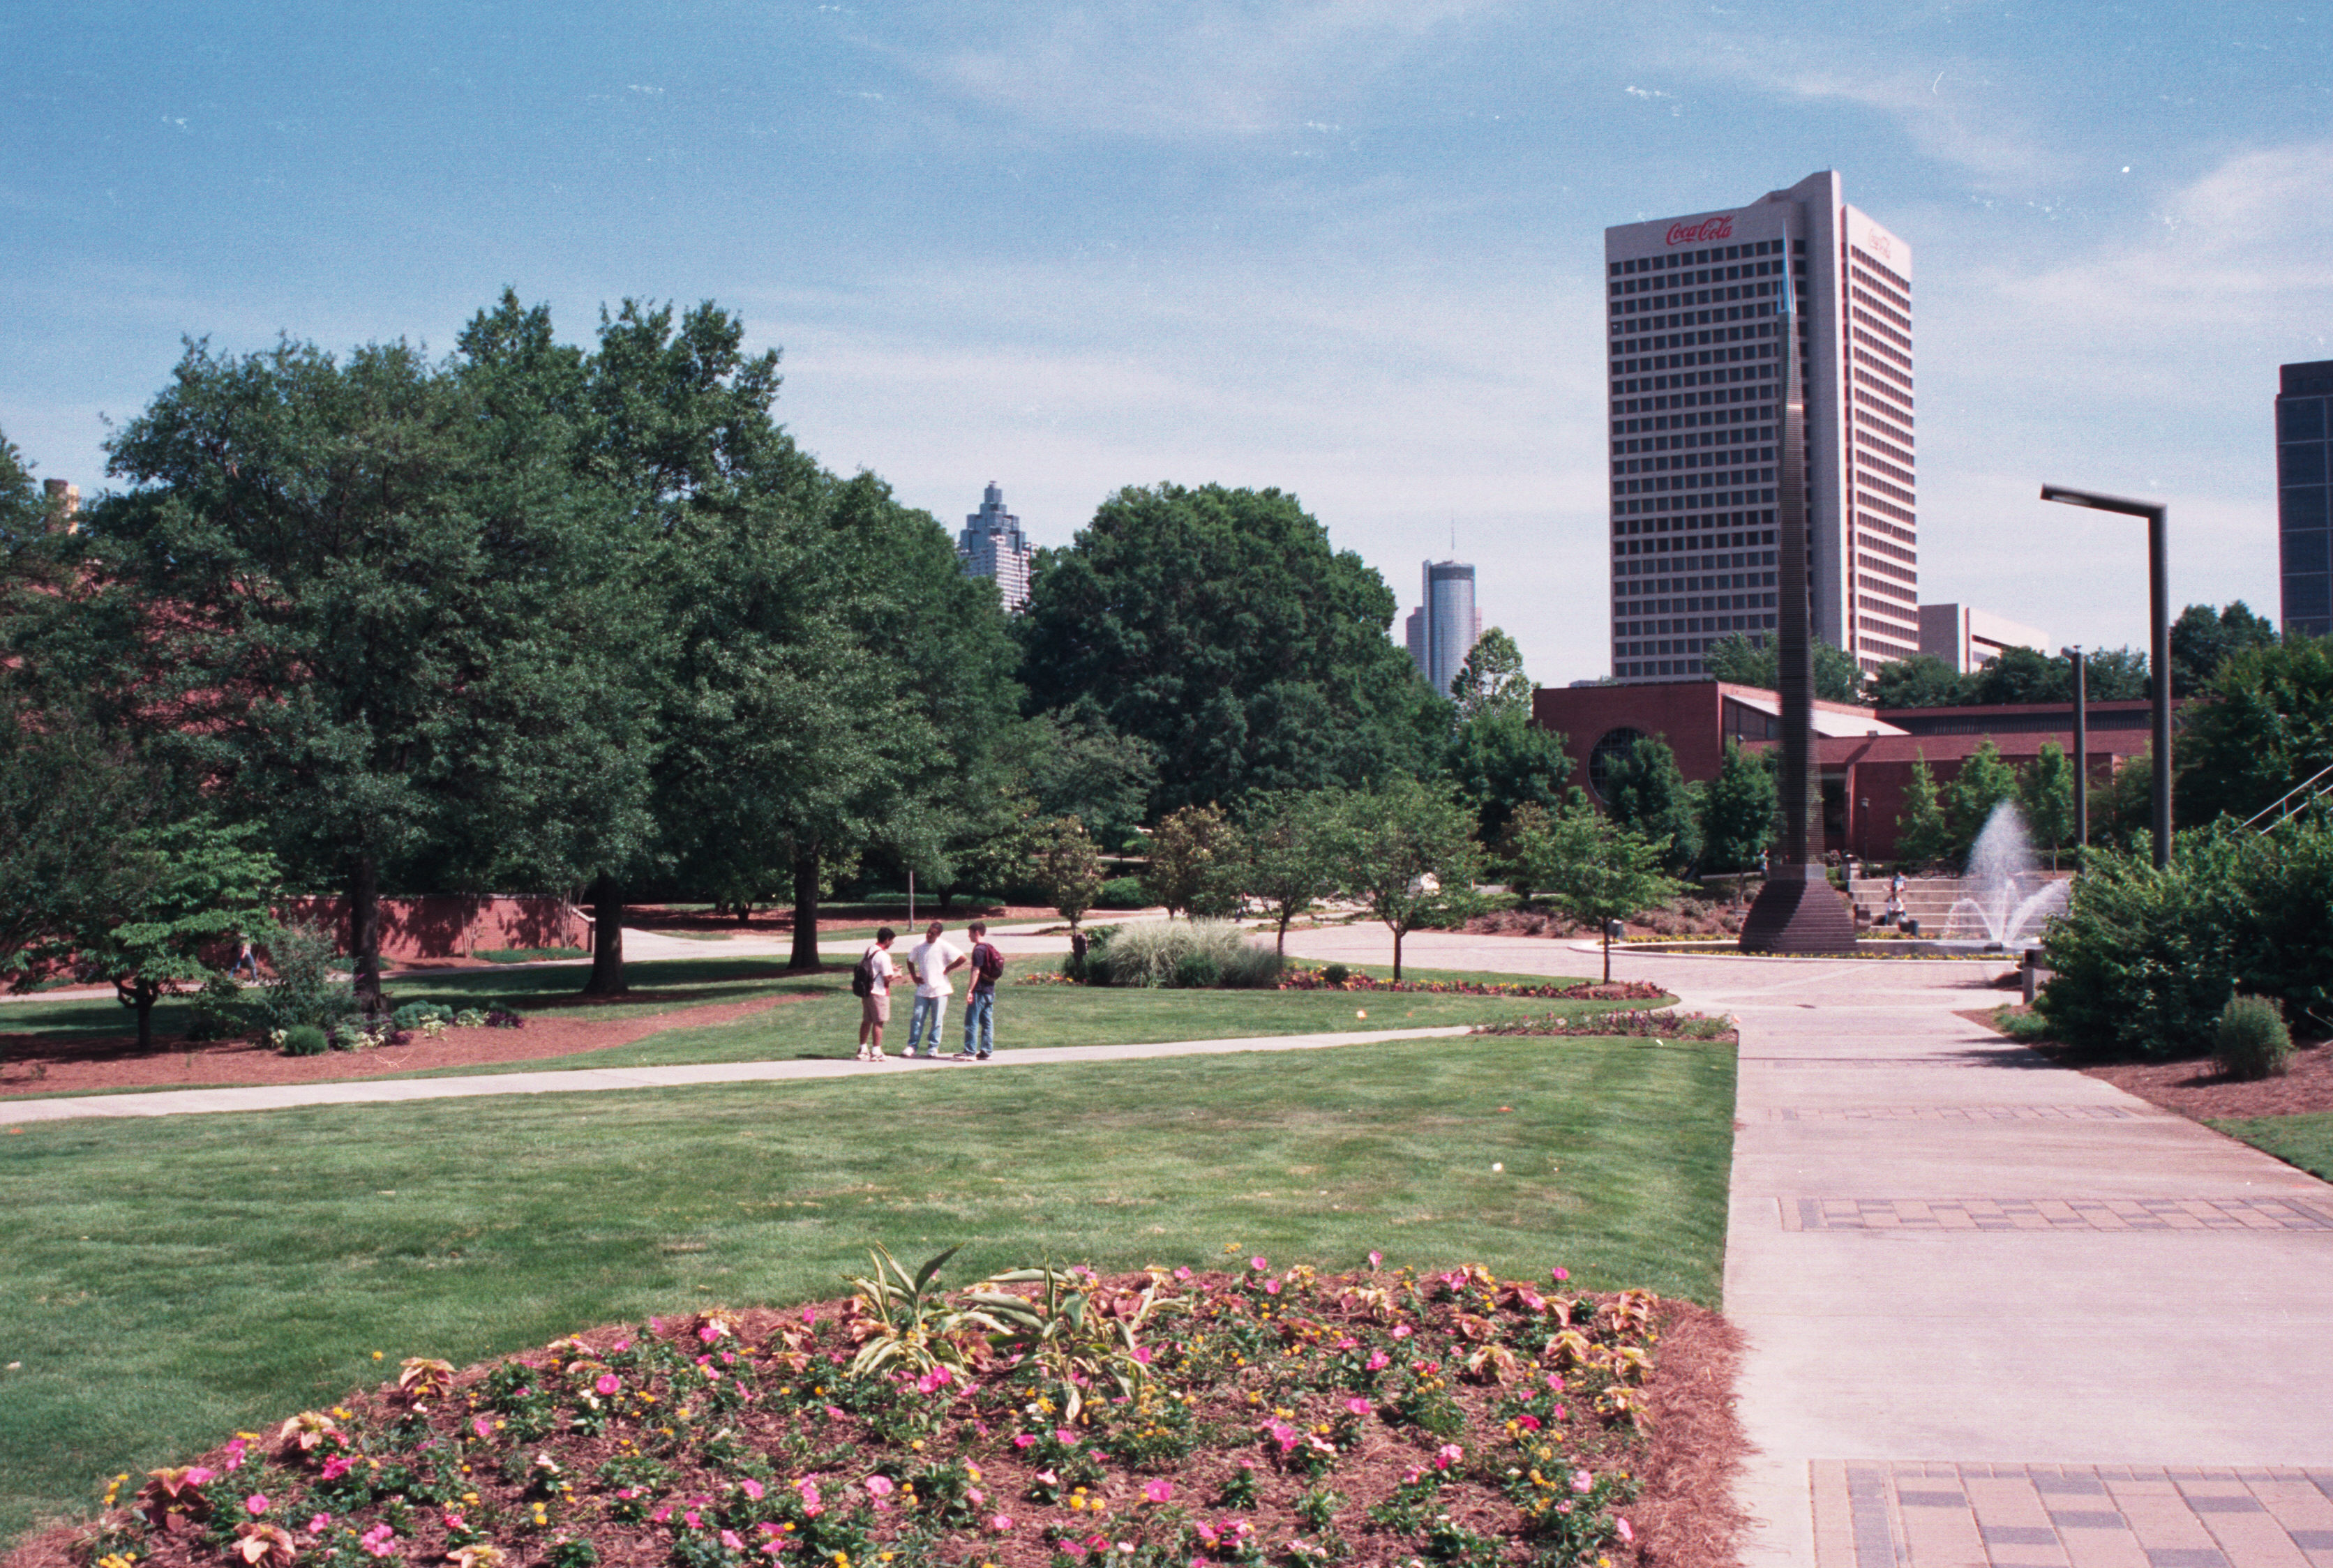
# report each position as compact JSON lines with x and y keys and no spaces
{"x":2284,"y":807}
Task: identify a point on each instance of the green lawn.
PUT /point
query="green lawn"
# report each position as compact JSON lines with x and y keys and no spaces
{"x":167,"y":1282}
{"x":2303,"y":1140}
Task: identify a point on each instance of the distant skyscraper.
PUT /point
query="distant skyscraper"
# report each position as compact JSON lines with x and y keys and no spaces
{"x":1446,"y":625}
{"x":1694,"y":410}
{"x":2304,"y":418}
{"x":992,"y":546}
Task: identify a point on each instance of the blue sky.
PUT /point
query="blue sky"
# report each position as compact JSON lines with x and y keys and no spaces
{"x":1351,"y":249}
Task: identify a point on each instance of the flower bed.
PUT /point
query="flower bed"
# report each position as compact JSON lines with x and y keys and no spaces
{"x":1319,"y":980}
{"x":1639,"y":1023}
{"x":1040,"y":1418}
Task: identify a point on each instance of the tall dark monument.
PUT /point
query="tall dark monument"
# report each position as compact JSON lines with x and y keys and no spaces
{"x":1797,"y":910}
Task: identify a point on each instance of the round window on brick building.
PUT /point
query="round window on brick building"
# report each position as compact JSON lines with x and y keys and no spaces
{"x":1614,"y":746}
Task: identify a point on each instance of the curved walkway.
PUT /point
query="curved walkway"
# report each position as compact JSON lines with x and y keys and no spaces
{"x":1999,"y":1315}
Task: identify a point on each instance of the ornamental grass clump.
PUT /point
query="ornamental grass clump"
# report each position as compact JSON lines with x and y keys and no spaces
{"x":1041,"y":1417}
{"x":2252,"y":1041}
{"x":1181,"y":954}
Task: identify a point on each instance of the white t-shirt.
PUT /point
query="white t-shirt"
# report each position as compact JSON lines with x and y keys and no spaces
{"x":931,"y":959}
{"x":883,"y":968}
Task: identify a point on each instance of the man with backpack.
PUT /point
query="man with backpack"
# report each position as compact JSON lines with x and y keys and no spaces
{"x":870,"y":982}
{"x":980,"y":1002}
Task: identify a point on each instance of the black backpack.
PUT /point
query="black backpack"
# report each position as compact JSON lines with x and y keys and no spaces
{"x":862,"y":976}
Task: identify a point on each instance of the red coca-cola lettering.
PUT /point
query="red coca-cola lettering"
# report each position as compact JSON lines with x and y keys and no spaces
{"x":1701,"y":233}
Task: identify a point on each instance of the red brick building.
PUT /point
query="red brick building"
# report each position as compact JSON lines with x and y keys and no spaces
{"x":1865,"y":756}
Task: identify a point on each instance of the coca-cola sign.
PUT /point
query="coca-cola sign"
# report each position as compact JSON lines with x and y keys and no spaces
{"x":1702,"y":233}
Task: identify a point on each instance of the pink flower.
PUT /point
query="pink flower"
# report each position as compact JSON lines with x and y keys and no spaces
{"x":1024,"y":1439}
{"x":711,"y":1332}
{"x":1257,"y":1263}
{"x":729,"y":1539}
{"x":1528,"y":1424}
{"x":878,"y":1485}
{"x":320,"y":1523}
{"x":1142,"y":1355}
{"x":692,"y":1518}
{"x":454,"y":1521}
{"x":1271,"y":1287}
{"x":661,"y":1515}
{"x":201,"y":1475}
{"x":1001,"y":1522}
{"x":1158,"y":1491}
{"x":483,"y":1427}
{"x":1558,"y":1413}
{"x":1447,"y":1455}
{"x":656,"y":1326}
{"x":1581,"y":1481}
{"x":1375,"y":1259}
{"x":1184,"y":1273}
{"x":1064,"y":1436}
{"x":1555,"y":1381}
{"x":381,"y":1541}
{"x":1046,"y":1478}
{"x":1379,"y":1361}
{"x":1357,"y":1405}
{"x":751,"y":1487}
{"x":834,"y":1413}
{"x":607,"y":1384}
{"x":1282,"y":1433}
{"x":1402,"y":1331}
{"x":1626,"y":1535}
{"x":622,"y":1346}
{"x":1560,"y":1275}
{"x":256,"y":1503}
{"x":974,"y":1496}
{"x":338,"y":1465}
{"x":235,"y":1453}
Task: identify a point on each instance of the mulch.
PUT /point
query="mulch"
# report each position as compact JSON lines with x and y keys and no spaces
{"x":2194,"y":1088}
{"x":40,"y":1064}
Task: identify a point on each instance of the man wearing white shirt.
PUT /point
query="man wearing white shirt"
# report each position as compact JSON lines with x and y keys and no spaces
{"x":933,"y":959}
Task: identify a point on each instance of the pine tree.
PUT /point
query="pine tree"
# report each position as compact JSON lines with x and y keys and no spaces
{"x":1923,"y":838}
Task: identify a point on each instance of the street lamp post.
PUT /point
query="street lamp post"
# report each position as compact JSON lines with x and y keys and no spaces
{"x":2158,"y":593}
{"x":2074,"y":660}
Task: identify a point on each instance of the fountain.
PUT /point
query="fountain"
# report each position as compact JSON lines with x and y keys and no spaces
{"x":2009,"y":898}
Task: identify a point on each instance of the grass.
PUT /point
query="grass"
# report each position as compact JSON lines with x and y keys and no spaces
{"x":2305,"y":1140}
{"x":530,"y":954}
{"x":169,"y":1282}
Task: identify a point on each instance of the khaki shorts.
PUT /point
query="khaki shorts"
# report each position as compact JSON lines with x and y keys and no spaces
{"x":875,"y":1008}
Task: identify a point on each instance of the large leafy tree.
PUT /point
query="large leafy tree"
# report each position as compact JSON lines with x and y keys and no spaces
{"x":2267,"y":727}
{"x":1593,"y":868}
{"x":1922,"y":681}
{"x":1647,"y":793}
{"x":1923,"y":835}
{"x":1740,"y":811}
{"x":1198,"y":858}
{"x":23,"y":517}
{"x":1735,"y":658}
{"x":1983,"y":782}
{"x":1501,"y":762}
{"x":2203,"y":639}
{"x":1407,"y":851}
{"x":1292,"y":848}
{"x":1073,"y":764}
{"x":352,"y":626}
{"x":1492,"y":680}
{"x":1221,"y":627}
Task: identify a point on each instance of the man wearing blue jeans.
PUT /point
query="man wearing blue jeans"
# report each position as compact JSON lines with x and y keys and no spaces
{"x":933,"y":959}
{"x":980,"y":1002}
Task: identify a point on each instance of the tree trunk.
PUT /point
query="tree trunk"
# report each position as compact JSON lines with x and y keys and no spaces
{"x":1280,"y":945}
{"x":1396,"y":952}
{"x":364,"y":935}
{"x":145,"y":995}
{"x":606,"y":977}
{"x":1607,"y":952}
{"x":805,"y":954}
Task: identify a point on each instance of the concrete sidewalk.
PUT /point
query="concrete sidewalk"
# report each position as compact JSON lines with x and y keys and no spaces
{"x":2000,"y":1314}
{"x":589,"y":1080}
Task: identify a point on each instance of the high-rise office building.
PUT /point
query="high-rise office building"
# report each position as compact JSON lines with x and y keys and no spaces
{"x":991,"y":545}
{"x":2304,"y":419}
{"x":1696,"y":406}
{"x":1446,"y":625}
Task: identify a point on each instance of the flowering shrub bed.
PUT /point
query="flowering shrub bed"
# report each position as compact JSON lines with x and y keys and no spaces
{"x":1320,"y":980}
{"x":1040,"y":1418}
{"x":1641,"y":1024}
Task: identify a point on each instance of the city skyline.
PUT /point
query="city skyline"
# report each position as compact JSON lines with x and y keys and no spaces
{"x":1345,"y":251}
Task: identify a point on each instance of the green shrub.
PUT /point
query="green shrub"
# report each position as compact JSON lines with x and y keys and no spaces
{"x":1200,"y":971}
{"x":305,"y":1040}
{"x":307,"y":988}
{"x":2144,"y":960}
{"x":1336,"y":974}
{"x":2252,"y":1041}
{"x":1122,"y":893}
{"x":413,"y":1015}
{"x":1250,"y":968}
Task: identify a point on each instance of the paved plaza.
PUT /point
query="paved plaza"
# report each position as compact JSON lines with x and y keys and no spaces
{"x":1999,"y":1315}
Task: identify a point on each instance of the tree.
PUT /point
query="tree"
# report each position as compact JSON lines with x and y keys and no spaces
{"x":1596,"y":870}
{"x":2113,"y":675}
{"x":1075,"y":765}
{"x":1407,"y":850}
{"x":2022,"y":676}
{"x":1293,"y":847}
{"x":1922,"y":836}
{"x":355,"y":627}
{"x":2202,"y":640}
{"x":1922,"y":681}
{"x":24,"y":516}
{"x":1197,"y":861}
{"x":1065,"y":866}
{"x":1740,"y":811}
{"x":1983,"y":782}
{"x":2045,"y":790}
{"x":1735,"y":658}
{"x":1647,"y":794}
{"x":1500,"y":760}
{"x":2268,"y":727}
{"x":171,"y":904}
{"x":1219,"y":627}
{"x":1492,"y":680}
